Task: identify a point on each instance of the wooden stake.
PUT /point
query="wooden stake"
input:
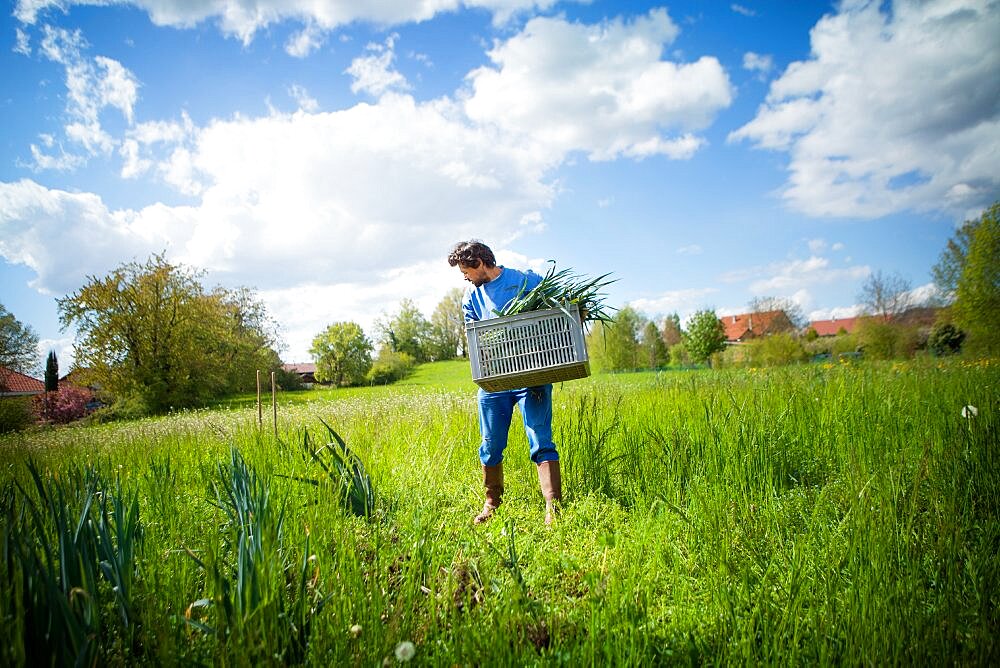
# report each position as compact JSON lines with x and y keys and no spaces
{"x":260,"y":410}
{"x":274,"y":405}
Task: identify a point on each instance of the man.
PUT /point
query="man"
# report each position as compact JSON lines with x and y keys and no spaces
{"x":493,"y":287}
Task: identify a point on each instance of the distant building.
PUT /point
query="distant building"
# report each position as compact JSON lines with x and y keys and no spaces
{"x":15,"y":384}
{"x":746,"y":326}
{"x":833,"y":327}
{"x":306,"y":371}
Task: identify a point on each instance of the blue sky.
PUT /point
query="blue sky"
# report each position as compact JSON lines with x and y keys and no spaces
{"x":328,"y":153}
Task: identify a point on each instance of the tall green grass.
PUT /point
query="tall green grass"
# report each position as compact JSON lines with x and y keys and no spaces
{"x":812,"y":514}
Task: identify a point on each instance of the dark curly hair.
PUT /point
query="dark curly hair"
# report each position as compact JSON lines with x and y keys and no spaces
{"x":471,"y":254}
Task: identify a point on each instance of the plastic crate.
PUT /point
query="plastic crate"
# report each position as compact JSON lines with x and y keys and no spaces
{"x":529,"y":349}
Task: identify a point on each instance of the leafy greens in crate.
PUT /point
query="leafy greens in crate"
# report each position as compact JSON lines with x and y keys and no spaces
{"x":560,"y":288}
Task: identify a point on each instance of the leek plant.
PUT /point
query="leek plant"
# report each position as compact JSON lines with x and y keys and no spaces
{"x":558,"y":289}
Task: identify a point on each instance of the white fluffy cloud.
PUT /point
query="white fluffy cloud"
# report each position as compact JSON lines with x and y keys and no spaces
{"x":896,"y":109}
{"x":781,"y":279}
{"x":682,"y":302}
{"x":243,"y":18}
{"x":92,"y":86}
{"x":601,"y":89}
{"x":373,"y":73}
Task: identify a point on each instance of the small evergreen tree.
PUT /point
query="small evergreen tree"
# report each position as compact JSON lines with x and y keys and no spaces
{"x":51,"y":372}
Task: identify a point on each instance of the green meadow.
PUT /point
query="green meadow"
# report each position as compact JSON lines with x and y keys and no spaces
{"x":813,"y":514}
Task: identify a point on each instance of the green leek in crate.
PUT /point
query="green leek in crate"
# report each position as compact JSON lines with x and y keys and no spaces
{"x":560,"y":288}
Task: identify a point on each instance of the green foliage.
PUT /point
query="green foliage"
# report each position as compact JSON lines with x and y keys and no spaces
{"x":812,"y":334}
{"x":408,"y":332}
{"x":447,"y":331}
{"x":614,"y":346}
{"x":945,"y":339}
{"x":51,"y":372}
{"x":558,"y":288}
{"x":977,"y":291}
{"x":16,"y":414}
{"x":18,"y":345}
{"x":390,"y":367}
{"x":679,"y":355}
{"x":881,"y":340}
{"x":705,"y":335}
{"x":289,"y":381}
{"x":62,"y":542}
{"x":653,"y":352}
{"x":251,"y":613}
{"x":343,"y":354}
{"x":775,"y":350}
{"x":150,"y":335}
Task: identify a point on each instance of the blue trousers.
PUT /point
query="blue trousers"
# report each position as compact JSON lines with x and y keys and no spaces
{"x":495,"y":412}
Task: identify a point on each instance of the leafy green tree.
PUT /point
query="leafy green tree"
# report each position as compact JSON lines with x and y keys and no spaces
{"x":51,"y":372}
{"x":671,"y":332}
{"x":447,"y":332}
{"x":977,"y":290}
{"x":152,"y":338}
{"x":620,"y":340}
{"x":653,"y":352}
{"x":18,"y":344}
{"x":343,"y":354}
{"x":408,"y":331}
{"x":705,"y":335}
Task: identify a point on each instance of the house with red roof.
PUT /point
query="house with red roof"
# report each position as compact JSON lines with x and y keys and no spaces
{"x":745,"y":326}
{"x":15,"y":384}
{"x":834,"y":326}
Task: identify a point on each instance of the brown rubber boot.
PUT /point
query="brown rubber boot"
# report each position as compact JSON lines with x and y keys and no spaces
{"x":551,"y":483}
{"x":493,"y":482}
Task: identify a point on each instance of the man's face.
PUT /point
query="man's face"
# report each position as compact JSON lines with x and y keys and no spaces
{"x":475,"y":275}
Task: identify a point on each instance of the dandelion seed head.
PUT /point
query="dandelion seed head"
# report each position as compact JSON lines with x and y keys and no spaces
{"x":969,"y":411}
{"x":355,"y":630}
{"x":405,"y":651}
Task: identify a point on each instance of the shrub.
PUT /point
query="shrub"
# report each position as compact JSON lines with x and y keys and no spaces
{"x":945,"y":339}
{"x":390,"y":366}
{"x":289,"y":381}
{"x":15,"y":414}
{"x":65,"y":405}
{"x":775,"y":350}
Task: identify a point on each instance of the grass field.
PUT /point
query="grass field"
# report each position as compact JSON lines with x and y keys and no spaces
{"x":816,"y":514}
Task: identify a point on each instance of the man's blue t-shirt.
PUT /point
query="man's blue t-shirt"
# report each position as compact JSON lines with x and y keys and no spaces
{"x":483,"y":302}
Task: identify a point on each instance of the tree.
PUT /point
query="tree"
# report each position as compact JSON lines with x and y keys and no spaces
{"x":51,"y":372}
{"x":408,"y":332}
{"x":619,"y":341}
{"x":977,"y":290}
{"x":945,"y":339}
{"x":950,"y":265}
{"x":653,"y":352}
{"x":447,"y":332}
{"x":885,"y":296}
{"x":796,"y":318}
{"x":152,"y":337}
{"x":18,"y":344}
{"x":671,"y":331}
{"x":343,"y":354}
{"x":705,"y":335}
